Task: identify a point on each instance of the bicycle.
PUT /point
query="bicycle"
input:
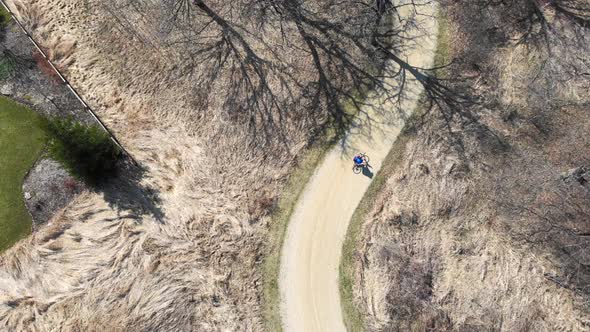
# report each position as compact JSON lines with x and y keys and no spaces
{"x":357,"y":169}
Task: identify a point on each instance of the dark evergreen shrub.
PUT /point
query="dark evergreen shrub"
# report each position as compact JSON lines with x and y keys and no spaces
{"x":86,"y":151}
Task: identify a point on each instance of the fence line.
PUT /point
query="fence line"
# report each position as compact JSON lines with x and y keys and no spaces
{"x":67,"y":83}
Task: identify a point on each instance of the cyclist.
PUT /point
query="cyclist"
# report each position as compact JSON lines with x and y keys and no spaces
{"x":359,"y":161}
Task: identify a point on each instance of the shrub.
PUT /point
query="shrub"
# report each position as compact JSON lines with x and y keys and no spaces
{"x":86,"y":151}
{"x":5,"y":17}
{"x":8,"y":64}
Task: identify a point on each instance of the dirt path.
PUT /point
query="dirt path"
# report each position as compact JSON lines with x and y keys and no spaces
{"x":311,"y":252}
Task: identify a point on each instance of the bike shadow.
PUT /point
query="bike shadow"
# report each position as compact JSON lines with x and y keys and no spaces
{"x":367,"y":172}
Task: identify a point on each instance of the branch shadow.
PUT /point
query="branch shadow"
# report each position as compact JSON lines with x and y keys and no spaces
{"x":126,"y":193}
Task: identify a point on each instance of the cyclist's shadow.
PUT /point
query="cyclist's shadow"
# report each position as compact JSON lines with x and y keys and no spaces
{"x":367,"y":171}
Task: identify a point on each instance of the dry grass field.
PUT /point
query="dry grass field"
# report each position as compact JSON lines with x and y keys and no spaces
{"x":484,"y":226}
{"x":178,"y":244}
{"x":483,"y":222}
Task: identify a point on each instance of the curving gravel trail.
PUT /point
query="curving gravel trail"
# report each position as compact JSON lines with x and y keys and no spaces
{"x":311,"y":253}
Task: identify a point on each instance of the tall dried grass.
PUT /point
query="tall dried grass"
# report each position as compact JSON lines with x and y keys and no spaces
{"x":472,"y":237}
{"x":179,"y":247}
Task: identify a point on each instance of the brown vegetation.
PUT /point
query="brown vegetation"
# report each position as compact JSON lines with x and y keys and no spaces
{"x":484,"y":224}
{"x":215,"y":106}
{"x":45,"y":67}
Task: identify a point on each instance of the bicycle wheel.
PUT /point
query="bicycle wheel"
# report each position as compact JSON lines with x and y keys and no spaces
{"x":366,"y":158}
{"x":356,"y":169}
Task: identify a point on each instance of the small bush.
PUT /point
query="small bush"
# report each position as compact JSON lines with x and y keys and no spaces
{"x":5,"y":17}
{"x":86,"y":151}
{"x":8,"y":64}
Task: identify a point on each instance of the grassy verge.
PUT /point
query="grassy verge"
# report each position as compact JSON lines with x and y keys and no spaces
{"x":21,"y":142}
{"x":353,"y":318}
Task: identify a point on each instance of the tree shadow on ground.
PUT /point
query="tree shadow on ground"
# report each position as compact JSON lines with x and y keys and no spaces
{"x":126,"y":193}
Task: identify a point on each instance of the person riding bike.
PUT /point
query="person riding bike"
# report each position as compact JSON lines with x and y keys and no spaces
{"x":359,"y":161}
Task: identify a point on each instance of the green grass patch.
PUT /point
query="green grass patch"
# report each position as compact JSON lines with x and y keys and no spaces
{"x":5,"y":17}
{"x":442,"y":55}
{"x":22,"y":139}
{"x":86,"y":151}
{"x":353,"y":318}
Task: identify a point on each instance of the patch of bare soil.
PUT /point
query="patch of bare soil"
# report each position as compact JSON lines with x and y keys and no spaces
{"x":48,"y":188}
{"x":484,"y":225}
{"x":215,"y":105}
